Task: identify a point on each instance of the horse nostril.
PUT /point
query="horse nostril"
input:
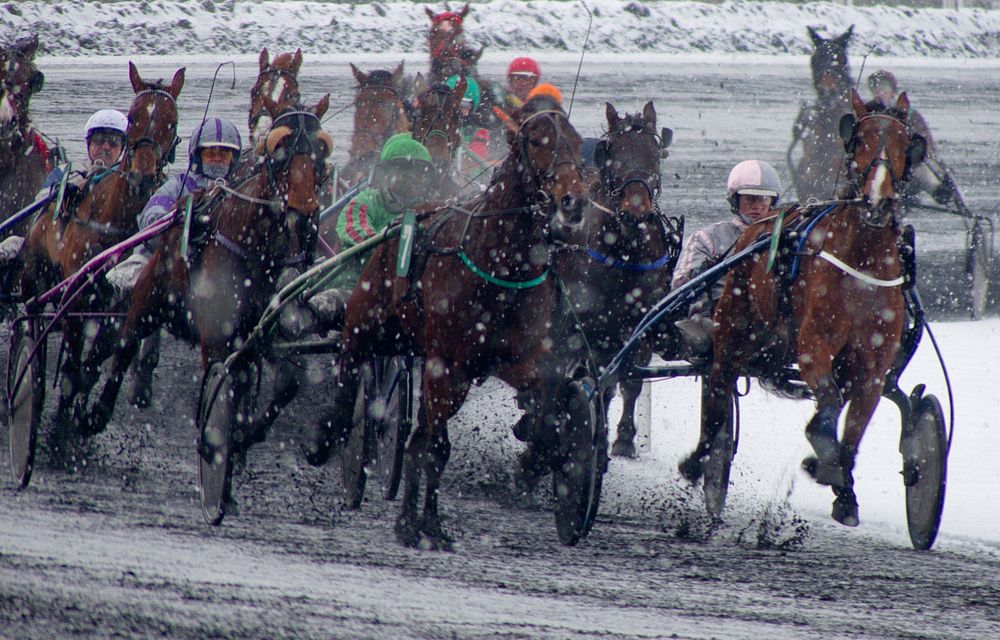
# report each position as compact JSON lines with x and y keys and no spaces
{"x":572,"y":206}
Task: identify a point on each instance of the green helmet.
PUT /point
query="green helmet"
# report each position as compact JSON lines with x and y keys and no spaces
{"x":402,"y":146}
{"x":471,"y":89}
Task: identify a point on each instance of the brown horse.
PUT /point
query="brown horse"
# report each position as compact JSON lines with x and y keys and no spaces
{"x":279,"y":81}
{"x":445,"y":39}
{"x":248,"y":233}
{"x":626,"y":252}
{"x":379,"y":113}
{"x":478,"y":303}
{"x":841,"y":320}
{"x":58,"y":245}
{"x":819,"y":171}
{"x":24,"y":158}
{"x":437,"y":125}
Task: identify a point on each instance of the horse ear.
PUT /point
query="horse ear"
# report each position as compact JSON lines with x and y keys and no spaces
{"x":903,"y":104}
{"x":612,"y":115}
{"x":846,"y":127}
{"x":320,"y":109}
{"x":649,"y":115}
{"x":420,"y":84}
{"x":816,"y":38}
{"x":177,"y":83}
{"x":133,"y":75}
{"x":858,"y":104}
{"x":359,"y":75}
{"x":397,"y":76}
{"x":264,"y":60}
{"x":479,"y":54}
{"x":845,"y":37}
{"x":297,"y":61}
{"x":460,"y":88}
{"x":430,"y":14}
{"x":29,"y":45}
{"x":465,"y":11}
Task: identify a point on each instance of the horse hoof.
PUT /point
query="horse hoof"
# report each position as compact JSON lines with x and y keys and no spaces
{"x":845,"y":511}
{"x":142,"y":397}
{"x":691,"y":468}
{"x":434,"y":538}
{"x":623,"y":449}
{"x":824,"y":442}
{"x":522,"y":430}
{"x":407,"y":532}
{"x":318,"y":453}
{"x":831,"y":475}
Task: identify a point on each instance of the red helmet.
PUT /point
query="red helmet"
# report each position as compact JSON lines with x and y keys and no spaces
{"x":524,"y":67}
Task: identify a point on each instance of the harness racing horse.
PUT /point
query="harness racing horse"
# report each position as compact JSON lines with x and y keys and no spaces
{"x":477,"y":302}
{"x":279,"y":81}
{"x":379,"y":113}
{"x":59,"y":243}
{"x":628,"y":251}
{"x":24,"y":158}
{"x":444,"y":39}
{"x":820,"y":169}
{"x":245,"y":234}
{"x":840,"y":321}
{"x":436,"y":122}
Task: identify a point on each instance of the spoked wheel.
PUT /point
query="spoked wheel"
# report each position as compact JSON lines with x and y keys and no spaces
{"x":25,"y":400}
{"x":216,"y":417}
{"x":925,"y":471}
{"x":396,"y":388}
{"x":357,"y":451}
{"x":978,"y":268}
{"x":583,"y":453}
{"x":719,"y":462}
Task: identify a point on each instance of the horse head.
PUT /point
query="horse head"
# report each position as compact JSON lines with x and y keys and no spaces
{"x":437,"y":119}
{"x":881,"y":152}
{"x":545,"y":150}
{"x":830,"y":70}
{"x":279,"y":81}
{"x":446,"y":29}
{"x":151,"y":136}
{"x":19,"y":80}
{"x":296,"y":152}
{"x":378,"y":114}
{"x":628,"y":157}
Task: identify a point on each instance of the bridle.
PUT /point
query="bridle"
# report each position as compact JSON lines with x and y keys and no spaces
{"x":541,"y":182}
{"x":146,"y":138}
{"x":614,"y":185}
{"x":270,"y":76}
{"x":378,"y":137}
{"x":440,"y":114}
{"x":858,"y":176}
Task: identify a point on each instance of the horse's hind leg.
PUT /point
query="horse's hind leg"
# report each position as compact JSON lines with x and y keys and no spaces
{"x":142,"y":370}
{"x":624,"y":445}
{"x":335,"y":426}
{"x":71,"y":382}
{"x":716,"y":405}
{"x":286,"y":387}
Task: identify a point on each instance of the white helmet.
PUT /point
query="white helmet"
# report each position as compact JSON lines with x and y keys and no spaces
{"x":106,"y":119}
{"x":753,"y":178}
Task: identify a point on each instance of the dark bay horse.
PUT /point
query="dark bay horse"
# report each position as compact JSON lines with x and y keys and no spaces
{"x":436,"y":123}
{"x":59,"y":244}
{"x":445,"y":39}
{"x":840,"y":321}
{"x":626,"y":252}
{"x":24,"y":157}
{"x":245,"y":234}
{"x":819,"y":170}
{"x":478,"y":303}
{"x":378,"y":114}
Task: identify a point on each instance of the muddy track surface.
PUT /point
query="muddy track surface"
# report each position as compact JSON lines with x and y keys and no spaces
{"x":113,"y":545}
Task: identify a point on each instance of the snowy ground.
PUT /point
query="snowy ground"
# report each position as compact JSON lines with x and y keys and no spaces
{"x":168,"y":27}
{"x":115,"y":547}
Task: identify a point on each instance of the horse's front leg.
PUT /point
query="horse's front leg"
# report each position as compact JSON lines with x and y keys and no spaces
{"x":335,"y":426}
{"x":286,"y":387}
{"x":149,"y":357}
{"x":70,"y":382}
{"x":624,"y":445}
{"x":429,"y":450}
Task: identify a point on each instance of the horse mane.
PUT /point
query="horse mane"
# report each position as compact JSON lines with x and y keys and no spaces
{"x":879,"y":107}
{"x":380,"y":78}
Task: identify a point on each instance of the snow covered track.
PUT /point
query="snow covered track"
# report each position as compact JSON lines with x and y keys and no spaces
{"x":168,"y":27}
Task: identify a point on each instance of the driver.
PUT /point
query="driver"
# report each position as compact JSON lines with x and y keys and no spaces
{"x":752,"y":190}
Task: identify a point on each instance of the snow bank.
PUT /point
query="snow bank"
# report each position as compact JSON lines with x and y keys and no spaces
{"x":172,"y":27}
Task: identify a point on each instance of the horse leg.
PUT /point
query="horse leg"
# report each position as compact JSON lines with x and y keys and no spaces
{"x":624,"y":445}
{"x":335,"y":427}
{"x":817,"y":347}
{"x":717,"y":401}
{"x":286,"y":387}
{"x":428,"y":451}
{"x":142,"y":369}
{"x":70,"y":381}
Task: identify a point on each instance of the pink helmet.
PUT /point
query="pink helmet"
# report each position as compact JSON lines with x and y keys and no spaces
{"x":524,"y":67}
{"x":753,"y":178}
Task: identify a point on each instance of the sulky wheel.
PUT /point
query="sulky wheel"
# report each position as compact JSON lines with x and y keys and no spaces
{"x":577,"y":479}
{"x":216,"y":417}
{"x":357,"y":451}
{"x":396,"y":388}
{"x":925,"y":471}
{"x":719,"y":462}
{"x":25,"y":400}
